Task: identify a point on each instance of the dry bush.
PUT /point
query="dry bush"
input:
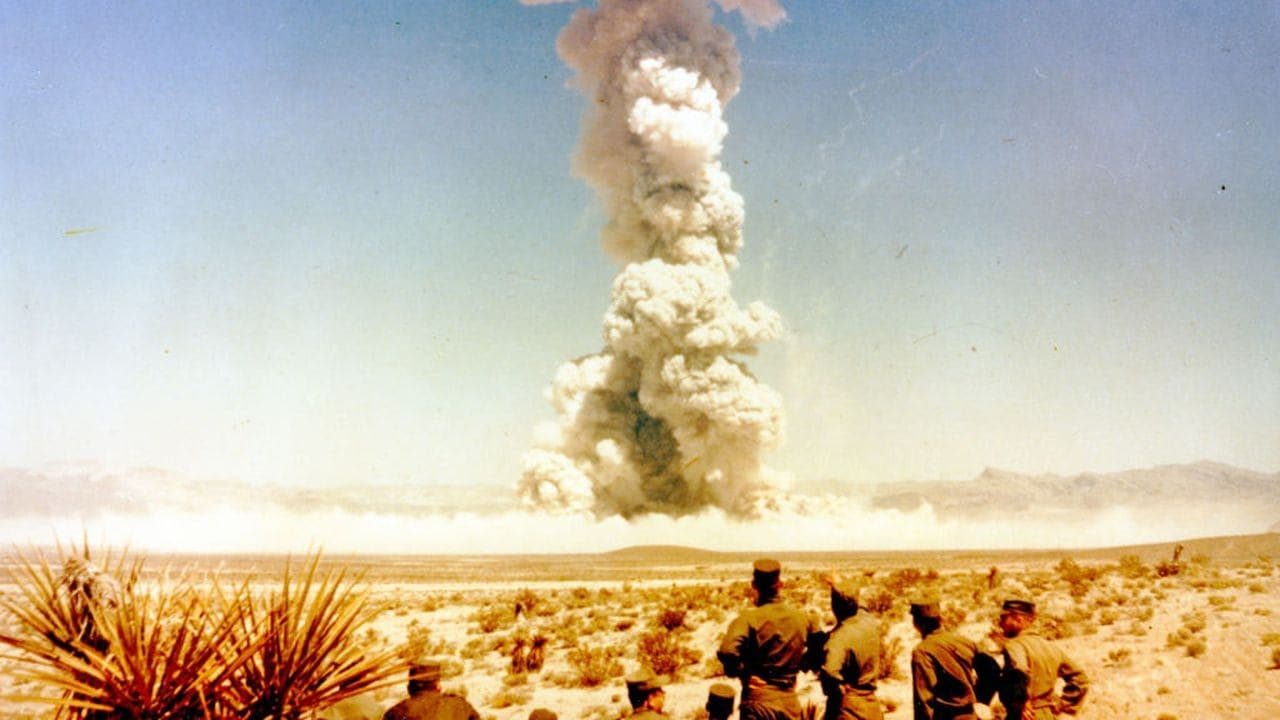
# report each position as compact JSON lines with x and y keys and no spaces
{"x":1078,"y":577}
{"x":1131,"y":566}
{"x":890,"y":649}
{"x":594,"y":665}
{"x":663,"y":653}
{"x":671,"y":619}
{"x":491,"y":617}
{"x":418,"y":642}
{"x":508,"y":696}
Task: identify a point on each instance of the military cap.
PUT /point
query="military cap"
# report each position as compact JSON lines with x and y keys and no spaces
{"x":844,"y":591}
{"x":644,"y":682}
{"x":720,"y":700}
{"x":542,"y":714}
{"x":425,"y":670}
{"x":926,"y":606}
{"x":766,"y":571}
{"x":1019,"y":605}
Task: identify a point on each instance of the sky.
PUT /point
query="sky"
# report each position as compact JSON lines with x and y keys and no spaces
{"x":324,"y":244}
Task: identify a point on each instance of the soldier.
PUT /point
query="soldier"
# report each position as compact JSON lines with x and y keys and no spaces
{"x":645,"y":693}
{"x":720,"y":701}
{"x":851,"y":658}
{"x":943,"y":674}
{"x":766,"y":647}
{"x":1032,"y":666}
{"x":426,"y":702}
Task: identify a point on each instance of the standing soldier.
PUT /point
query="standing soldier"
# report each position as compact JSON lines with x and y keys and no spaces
{"x":720,"y":701}
{"x":1032,"y":666}
{"x":851,"y":658}
{"x":645,"y":693}
{"x":426,"y":702}
{"x":766,"y":647}
{"x":943,"y":673}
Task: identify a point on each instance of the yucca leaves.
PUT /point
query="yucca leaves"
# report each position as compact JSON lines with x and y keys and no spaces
{"x":309,"y":658}
{"x":119,"y":649}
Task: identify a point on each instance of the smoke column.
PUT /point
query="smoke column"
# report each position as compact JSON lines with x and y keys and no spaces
{"x":666,"y":419}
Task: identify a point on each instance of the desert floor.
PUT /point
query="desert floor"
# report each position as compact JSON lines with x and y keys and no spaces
{"x":1203,"y":643}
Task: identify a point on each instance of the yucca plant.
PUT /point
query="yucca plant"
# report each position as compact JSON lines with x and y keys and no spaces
{"x":118,"y":651}
{"x":176,"y":650}
{"x":309,"y":656}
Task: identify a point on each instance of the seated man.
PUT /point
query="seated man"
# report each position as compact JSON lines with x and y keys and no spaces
{"x":426,"y":702}
{"x":644,"y":691}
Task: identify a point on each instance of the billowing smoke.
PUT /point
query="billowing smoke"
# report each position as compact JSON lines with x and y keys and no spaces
{"x":667,"y":418}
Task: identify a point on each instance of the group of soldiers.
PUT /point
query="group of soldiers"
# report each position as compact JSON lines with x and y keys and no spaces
{"x":767,"y":647}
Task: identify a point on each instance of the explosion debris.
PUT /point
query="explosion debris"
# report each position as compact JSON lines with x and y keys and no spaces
{"x":665,"y":419}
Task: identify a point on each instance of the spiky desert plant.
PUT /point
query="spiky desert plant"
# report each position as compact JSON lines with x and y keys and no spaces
{"x":309,"y":655}
{"x":115,"y":650}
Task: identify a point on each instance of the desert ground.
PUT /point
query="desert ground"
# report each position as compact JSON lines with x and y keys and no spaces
{"x":1201,"y":643}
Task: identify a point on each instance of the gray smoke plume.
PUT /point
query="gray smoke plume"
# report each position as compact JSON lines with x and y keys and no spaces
{"x":665,"y":419}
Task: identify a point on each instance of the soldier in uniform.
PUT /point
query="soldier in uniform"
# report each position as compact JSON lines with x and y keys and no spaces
{"x":945,"y":682}
{"x":720,"y":701}
{"x":645,"y":693}
{"x":851,"y":658}
{"x":1032,"y":666}
{"x":426,"y":702}
{"x":766,"y":647}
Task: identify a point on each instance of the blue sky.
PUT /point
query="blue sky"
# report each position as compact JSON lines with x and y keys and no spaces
{"x":327,"y":244}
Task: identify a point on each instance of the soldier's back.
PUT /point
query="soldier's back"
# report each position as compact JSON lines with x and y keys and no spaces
{"x":771,"y":640}
{"x":1039,"y":659}
{"x":853,"y":652}
{"x":948,"y":658}
{"x":432,"y":706}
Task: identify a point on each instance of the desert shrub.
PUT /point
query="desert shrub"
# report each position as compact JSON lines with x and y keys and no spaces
{"x":488,"y":618}
{"x":1196,"y":646}
{"x":506,"y":697}
{"x":594,"y":665}
{"x":663,"y":653}
{"x":1256,"y":588}
{"x":1078,"y":577}
{"x":526,"y":600}
{"x":890,"y":649}
{"x":901,"y":582}
{"x":878,"y":600}
{"x":1108,"y":616}
{"x":1194,"y":621}
{"x":1119,"y":657}
{"x":671,"y":619}
{"x":418,"y":642}
{"x":1131,"y":566}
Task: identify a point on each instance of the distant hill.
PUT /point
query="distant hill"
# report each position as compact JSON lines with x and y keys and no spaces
{"x":995,"y":492}
{"x":1227,"y":549}
{"x":667,"y":554}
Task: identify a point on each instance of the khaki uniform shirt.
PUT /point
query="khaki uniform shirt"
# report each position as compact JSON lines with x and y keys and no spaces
{"x":432,"y":705}
{"x":1032,"y":666}
{"x":851,"y":663}
{"x":770,"y":642}
{"x":942,"y":676}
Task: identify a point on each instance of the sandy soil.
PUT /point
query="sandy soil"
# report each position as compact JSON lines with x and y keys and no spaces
{"x":1201,"y":644}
